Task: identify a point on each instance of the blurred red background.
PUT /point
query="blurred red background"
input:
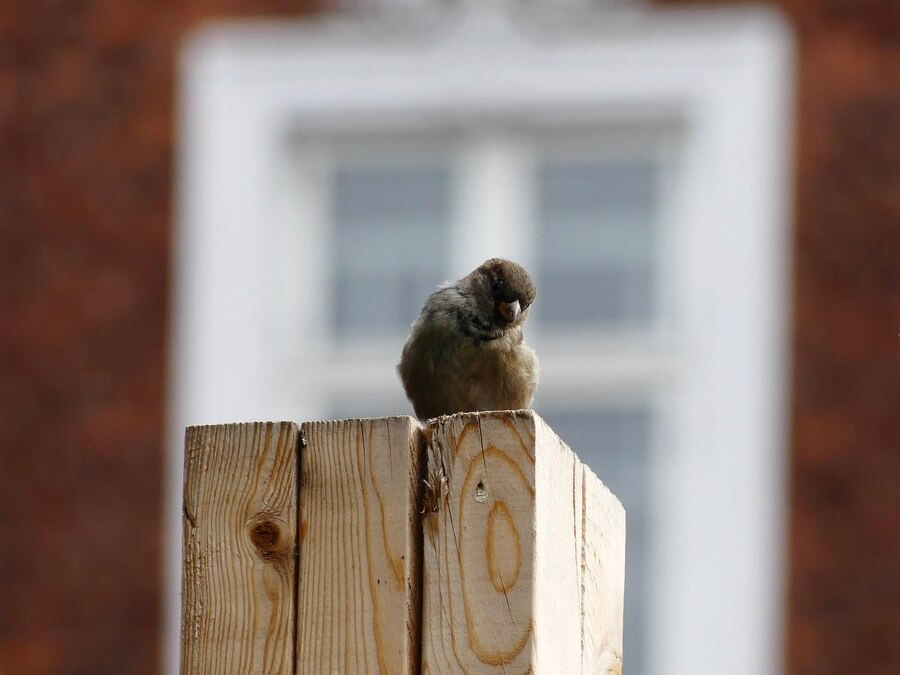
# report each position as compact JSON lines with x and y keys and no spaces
{"x":86,"y":155}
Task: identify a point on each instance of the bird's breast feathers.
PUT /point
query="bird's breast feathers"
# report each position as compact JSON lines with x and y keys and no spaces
{"x":496,"y":375}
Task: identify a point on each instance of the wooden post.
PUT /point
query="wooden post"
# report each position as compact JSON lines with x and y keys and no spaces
{"x":479,"y":544}
{"x":524,"y":552}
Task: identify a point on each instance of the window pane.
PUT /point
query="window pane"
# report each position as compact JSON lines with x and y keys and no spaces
{"x":391,"y":228}
{"x":376,"y":404}
{"x":616,"y":444}
{"x":597,"y":234}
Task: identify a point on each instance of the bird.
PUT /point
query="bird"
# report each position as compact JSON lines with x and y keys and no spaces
{"x":466,"y":350}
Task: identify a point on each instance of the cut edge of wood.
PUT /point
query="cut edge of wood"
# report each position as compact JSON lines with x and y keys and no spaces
{"x":598,"y":519}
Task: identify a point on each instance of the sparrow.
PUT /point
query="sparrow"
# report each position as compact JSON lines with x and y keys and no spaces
{"x":465,"y":351}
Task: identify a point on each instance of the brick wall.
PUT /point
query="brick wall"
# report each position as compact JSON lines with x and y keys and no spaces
{"x":86,"y":143}
{"x":844,"y":585}
{"x":86,"y":146}
{"x":844,"y":600}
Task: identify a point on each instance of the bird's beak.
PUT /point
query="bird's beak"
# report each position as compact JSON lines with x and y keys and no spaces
{"x":509,"y":310}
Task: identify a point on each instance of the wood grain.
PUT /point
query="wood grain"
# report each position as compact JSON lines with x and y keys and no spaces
{"x":479,"y":545}
{"x":240,"y":525}
{"x":523,"y":552}
{"x":507,"y":558}
{"x":360,"y":563}
{"x":600,"y":519}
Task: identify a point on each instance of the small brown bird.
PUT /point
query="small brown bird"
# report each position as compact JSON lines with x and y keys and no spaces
{"x":465,"y":352}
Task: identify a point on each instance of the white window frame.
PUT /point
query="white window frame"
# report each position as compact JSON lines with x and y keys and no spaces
{"x":724,"y":76}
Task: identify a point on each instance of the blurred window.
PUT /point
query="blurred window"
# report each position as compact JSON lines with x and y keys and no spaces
{"x":331,"y":178}
{"x":595,"y":219}
{"x":597,"y":235}
{"x":391,"y":230}
{"x":597,"y":265}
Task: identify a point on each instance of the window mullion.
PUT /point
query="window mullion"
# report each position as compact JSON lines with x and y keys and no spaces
{"x":494,"y":198}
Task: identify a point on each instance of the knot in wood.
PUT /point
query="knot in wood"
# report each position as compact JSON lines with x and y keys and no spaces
{"x":265,"y":534}
{"x":480,"y":493}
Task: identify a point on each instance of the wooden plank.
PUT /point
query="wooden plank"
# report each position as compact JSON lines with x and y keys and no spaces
{"x":240,"y":526}
{"x":508,"y":575}
{"x":479,"y":545}
{"x":601,"y":523}
{"x":360,"y":561}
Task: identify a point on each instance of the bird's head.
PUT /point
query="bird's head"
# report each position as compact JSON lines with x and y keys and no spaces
{"x":503,"y":291}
